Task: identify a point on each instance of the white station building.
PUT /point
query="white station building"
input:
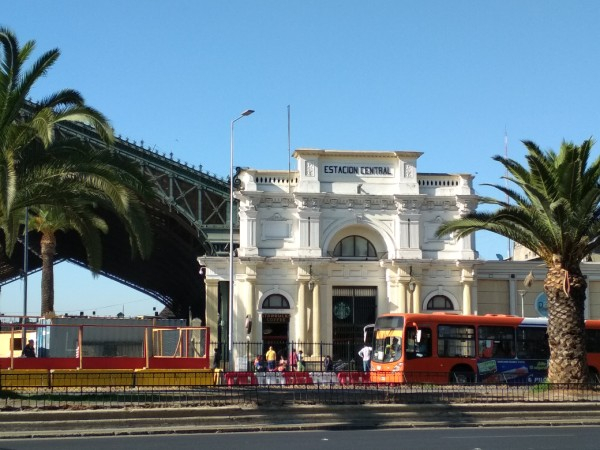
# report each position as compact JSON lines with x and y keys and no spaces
{"x":351,"y":234}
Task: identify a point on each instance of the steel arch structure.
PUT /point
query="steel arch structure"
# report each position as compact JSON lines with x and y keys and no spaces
{"x":191,"y":220}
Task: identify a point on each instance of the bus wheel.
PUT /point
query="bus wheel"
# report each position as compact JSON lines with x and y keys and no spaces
{"x":462,"y":375}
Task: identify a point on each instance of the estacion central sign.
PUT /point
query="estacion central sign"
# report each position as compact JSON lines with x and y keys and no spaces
{"x":358,"y":170}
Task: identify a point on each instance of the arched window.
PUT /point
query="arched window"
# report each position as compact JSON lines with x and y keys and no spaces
{"x":440,"y":303}
{"x":355,"y":247}
{"x":275,"y":301}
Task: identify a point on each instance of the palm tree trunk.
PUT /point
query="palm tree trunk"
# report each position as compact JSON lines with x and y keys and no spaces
{"x":48,"y":247}
{"x":565,"y":290}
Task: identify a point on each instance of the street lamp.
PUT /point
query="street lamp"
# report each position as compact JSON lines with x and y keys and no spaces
{"x":230,"y":315}
{"x":522,"y":294}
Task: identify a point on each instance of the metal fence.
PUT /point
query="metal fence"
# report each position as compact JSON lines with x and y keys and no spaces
{"x":20,"y":398}
{"x":344,"y":355}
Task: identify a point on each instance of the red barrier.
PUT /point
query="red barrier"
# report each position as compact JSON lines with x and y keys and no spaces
{"x":240,"y":378}
{"x":105,"y":362}
{"x":354,"y":378}
{"x":297,"y":378}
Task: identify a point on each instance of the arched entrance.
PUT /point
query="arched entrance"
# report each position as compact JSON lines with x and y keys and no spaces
{"x":353,"y":308}
{"x":276,"y":324}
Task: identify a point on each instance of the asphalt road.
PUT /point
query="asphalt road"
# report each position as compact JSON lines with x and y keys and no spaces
{"x":542,"y":438}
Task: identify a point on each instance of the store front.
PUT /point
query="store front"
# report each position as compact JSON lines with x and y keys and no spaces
{"x":353,"y":309}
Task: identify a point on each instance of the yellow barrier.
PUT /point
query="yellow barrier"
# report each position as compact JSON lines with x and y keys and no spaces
{"x":91,"y":377}
{"x":25,"y":378}
{"x":174,"y":377}
{"x":218,"y":377}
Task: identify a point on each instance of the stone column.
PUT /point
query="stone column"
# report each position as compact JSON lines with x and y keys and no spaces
{"x":416,"y":299}
{"x":316,"y":322}
{"x":467,"y":302}
{"x":212,"y":307}
{"x":250,"y":307}
{"x":467,"y":280}
{"x":301,"y":313}
{"x":402,"y":290}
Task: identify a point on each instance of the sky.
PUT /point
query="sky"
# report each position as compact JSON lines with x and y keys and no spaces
{"x":460,"y":81}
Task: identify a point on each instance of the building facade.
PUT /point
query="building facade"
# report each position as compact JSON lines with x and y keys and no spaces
{"x":351,"y":234}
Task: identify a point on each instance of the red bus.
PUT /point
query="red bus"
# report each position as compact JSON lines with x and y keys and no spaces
{"x":453,"y":348}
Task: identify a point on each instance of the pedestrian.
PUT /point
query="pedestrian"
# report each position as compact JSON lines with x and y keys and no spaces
{"x":365,"y":354}
{"x":29,"y":350}
{"x":328,"y":364}
{"x":217,"y":358}
{"x":282,"y":367}
{"x":294,"y":359}
{"x":259,"y":364}
{"x":271,"y":358}
{"x":300,"y":361}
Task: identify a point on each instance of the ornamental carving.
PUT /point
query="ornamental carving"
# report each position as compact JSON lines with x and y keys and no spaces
{"x":408,"y":206}
{"x":465,"y":206}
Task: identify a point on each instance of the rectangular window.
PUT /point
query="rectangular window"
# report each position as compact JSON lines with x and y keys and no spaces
{"x":496,"y":342}
{"x":592,"y":341}
{"x":418,"y":342}
{"x":532,"y":343}
{"x":456,"y":341}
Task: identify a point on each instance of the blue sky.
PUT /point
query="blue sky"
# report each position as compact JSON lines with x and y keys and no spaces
{"x":449,"y":79}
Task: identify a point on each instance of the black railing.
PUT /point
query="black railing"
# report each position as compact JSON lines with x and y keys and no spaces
{"x":14,"y":397}
{"x":344,"y":355}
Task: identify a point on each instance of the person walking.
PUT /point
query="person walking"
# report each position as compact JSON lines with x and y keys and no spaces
{"x":300,"y":360}
{"x":271,"y":358}
{"x":365,"y":354}
{"x":217,"y":358}
{"x":294,"y":359}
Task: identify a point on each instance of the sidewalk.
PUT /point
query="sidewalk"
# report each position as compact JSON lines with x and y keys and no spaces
{"x":107,"y":422}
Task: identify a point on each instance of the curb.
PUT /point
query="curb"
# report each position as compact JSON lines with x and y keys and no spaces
{"x":41,"y":424}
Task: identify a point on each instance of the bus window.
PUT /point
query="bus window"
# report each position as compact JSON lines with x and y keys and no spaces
{"x":592,"y":340}
{"x":532,"y":343}
{"x":496,"y":342}
{"x":418,"y":346}
{"x":393,"y":350}
{"x":456,"y":341}
{"x":387,"y":345}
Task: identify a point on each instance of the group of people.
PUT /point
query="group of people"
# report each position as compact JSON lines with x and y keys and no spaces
{"x":270,"y":363}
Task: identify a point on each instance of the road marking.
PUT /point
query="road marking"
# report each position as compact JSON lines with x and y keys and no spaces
{"x":504,"y":436}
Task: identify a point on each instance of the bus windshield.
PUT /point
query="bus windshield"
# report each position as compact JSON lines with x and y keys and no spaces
{"x":387,"y":339}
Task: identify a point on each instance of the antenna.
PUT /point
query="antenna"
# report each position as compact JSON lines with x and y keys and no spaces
{"x":289,"y":152}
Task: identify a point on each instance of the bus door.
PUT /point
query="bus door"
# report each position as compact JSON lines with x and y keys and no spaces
{"x":418,"y":360}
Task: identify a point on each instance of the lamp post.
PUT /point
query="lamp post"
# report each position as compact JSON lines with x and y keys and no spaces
{"x":230,"y":315}
{"x":412,"y":285}
{"x":25,"y":263}
{"x":522,"y":294}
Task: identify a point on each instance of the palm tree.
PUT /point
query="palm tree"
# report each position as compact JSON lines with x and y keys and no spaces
{"x":23,"y":126}
{"x":48,"y":222}
{"x":92,"y":183}
{"x":555,"y":214}
{"x":68,"y":184}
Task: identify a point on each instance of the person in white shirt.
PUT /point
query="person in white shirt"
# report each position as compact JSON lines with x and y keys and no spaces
{"x":365,"y":354}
